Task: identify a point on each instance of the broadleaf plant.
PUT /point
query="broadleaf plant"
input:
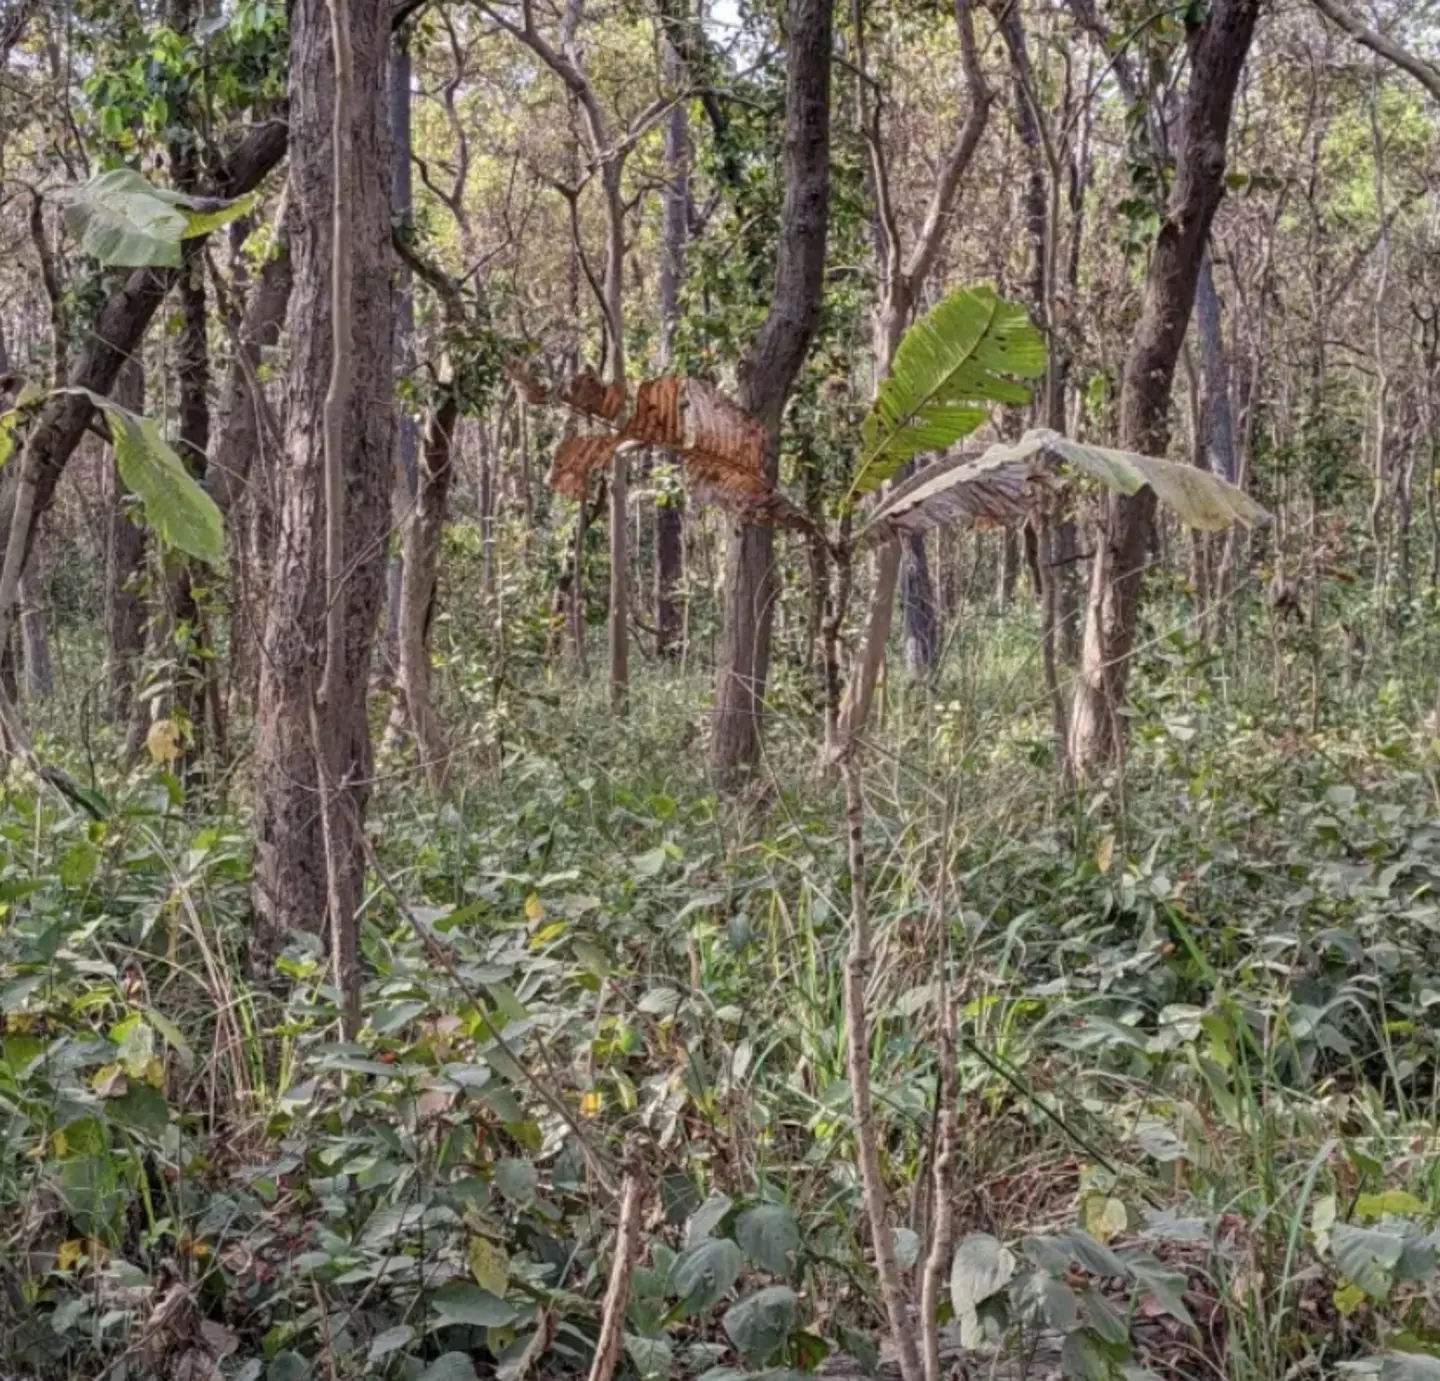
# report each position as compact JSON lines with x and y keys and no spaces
{"x":961,"y":358}
{"x":124,"y":221}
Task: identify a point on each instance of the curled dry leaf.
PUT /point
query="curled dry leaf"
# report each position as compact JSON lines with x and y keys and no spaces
{"x":588,"y":394}
{"x":578,"y":457}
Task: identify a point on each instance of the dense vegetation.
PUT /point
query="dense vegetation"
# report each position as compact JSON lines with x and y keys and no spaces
{"x":459,"y":923}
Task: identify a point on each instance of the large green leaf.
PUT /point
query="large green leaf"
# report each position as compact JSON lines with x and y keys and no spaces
{"x":177,"y":509}
{"x":759,"y":1324}
{"x":705,"y":1272}
{"x":982,"y":1267}
{"x":1367,"y":1256}
{"x":124,"y":221}
{"x":954,"y":364}
{"x":769,"y":1236}
{"x":996,"y":487}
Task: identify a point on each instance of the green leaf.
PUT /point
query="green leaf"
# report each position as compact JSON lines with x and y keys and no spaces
{"x":759,"y":1324}
{"x":461,"y":1302}
{"x":517,"y":1180}
{"x":982,"y":1267}
{"x":178,"y":510}
{"x":769,"y":1235}
{"x":489,"y":1265}
{"x":450,"y":1366}
{"x":1087,"y":1357}
{"x":707,"y":1218}
{"x":142,"y":1108}
{"x":651,"y":1356}
{"x":124,"y":221}
{"x":996,"y":487}
{"x":963,"y":356}
{"x":391,"y":1340}
{"x":1367,"y":1257}
{"x":288,"y":1366}
{"x":1409,"y":1366}
{"x":705,"y":1273}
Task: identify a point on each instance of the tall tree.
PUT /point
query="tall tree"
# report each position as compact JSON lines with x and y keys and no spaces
{"x":1218,"y":45}
{"x":297,"y":727}
{"x":767,"y":375}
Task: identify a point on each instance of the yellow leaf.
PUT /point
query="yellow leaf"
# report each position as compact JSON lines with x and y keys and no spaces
{"x":1348,"y":1300}
{"x":591,"y":1104}
{"x":68,"y":1257}
{"x":548,"y":934}
{"x":163,"y":741}
{"x":109,"y":1082}
{"x":1104,"y":1217}
{"x":489,"y":1265}
{"x":59,"y":1144}
{"x":1105,"y":854}
{"x":534,"y":907}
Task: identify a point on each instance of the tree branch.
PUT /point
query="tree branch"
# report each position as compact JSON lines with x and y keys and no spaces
{"x":1426,"y":73}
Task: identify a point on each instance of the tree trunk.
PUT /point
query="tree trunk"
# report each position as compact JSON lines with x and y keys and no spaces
{"x":241,"y":472}
{"x":34,"y":644}
{"x":768,"y":374}
{"x":402,"y":195}
{"x":1218,"y":48}
{"x":917,"y":602}
{"x":422,"y":560}
{"x":124,"y":568}
{"x":290,"y":880}
{"x":669,"y":507}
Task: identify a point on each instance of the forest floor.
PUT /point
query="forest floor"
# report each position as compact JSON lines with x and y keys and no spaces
{"x":1197,"y":1047}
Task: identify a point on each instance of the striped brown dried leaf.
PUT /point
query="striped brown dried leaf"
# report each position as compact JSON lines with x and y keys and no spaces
{"x":577,"y":458}
{"x":587,"y":393}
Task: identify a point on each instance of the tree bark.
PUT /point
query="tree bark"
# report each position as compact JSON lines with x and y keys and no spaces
{"x":669,"y":507}
{"x":290,"y":881}
{"x":402,"y":193}
{"x":1218,"y":48}
{"x":241,"y":476}
{"x":768,"y":374}
{"x":417,"y":593}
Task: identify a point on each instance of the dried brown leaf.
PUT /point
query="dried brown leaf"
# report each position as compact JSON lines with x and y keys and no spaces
{"x":588,"y":394}
{"x":656,"y":420}
{"x":723,"y":447}
{"x":578,"y":457}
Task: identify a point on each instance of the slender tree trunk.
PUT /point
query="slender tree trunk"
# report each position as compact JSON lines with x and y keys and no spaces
{"x":767,"y":375}
{"x":402,"y":193}
{"x":422,"y":561}
{"x":124,"y":568}
{"x":291,"y":888}
{"x":669,"y":507}
{"x":241,"y":473}
{"x":1218,"y":48}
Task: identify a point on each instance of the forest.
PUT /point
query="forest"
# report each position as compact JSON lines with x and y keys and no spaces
{"x":719,"y":690}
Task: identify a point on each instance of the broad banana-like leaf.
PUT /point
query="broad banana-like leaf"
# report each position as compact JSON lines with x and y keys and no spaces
{"x":996,"y":487}
{"x":177,"y":508}
{"x":962,"y":357}
{"x":124,"y":221}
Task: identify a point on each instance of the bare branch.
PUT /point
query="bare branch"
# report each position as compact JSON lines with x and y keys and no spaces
{"x":1426,"y":73}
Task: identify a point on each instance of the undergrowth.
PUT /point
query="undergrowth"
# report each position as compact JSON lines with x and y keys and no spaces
{"x":1198,"y":1051}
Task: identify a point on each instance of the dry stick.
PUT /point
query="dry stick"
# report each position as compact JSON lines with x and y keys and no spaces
{"x":344,"y":942}
{"x":857,"y":966}
{"x":617,"y":1296}
{"x":942,"y":1223}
